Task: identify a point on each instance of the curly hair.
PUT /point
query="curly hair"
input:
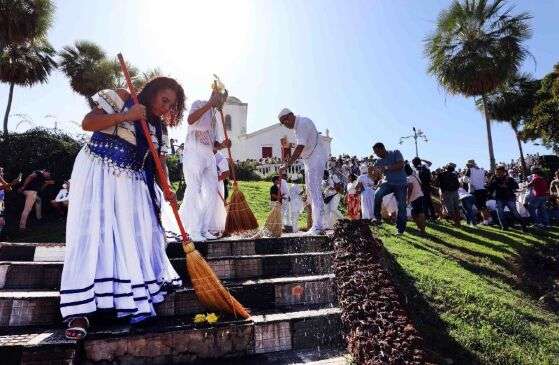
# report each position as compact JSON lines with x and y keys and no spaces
{"x":150,"y":90}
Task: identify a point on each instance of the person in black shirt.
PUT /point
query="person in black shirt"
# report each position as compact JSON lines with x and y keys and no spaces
{"x":275,"y":189}
{"x":504,"y":187}
{"x":31,"y":188}
{"x":449,"y":184}
{"x":425,"y":177}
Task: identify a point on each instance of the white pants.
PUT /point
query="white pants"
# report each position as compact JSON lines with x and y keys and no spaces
{"x":200,"y":174}
{"x":314,"y":171}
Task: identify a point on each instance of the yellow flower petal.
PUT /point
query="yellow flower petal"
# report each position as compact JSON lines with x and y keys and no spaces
{"x":200,"y":318}
{"x":212,"y":318}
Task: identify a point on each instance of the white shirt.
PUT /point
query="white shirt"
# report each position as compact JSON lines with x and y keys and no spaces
{"x":352,"y":187}
{"x":416,"y":191}
{"x":306,"y":135}
{"x":477,"y":179}
{"x":208,"y":128}
{"x":462,"y":193}
{"x":284,"y":188}
{"x":62,"y":196}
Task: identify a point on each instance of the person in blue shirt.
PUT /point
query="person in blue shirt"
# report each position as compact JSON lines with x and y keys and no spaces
{"x":391,"y":164}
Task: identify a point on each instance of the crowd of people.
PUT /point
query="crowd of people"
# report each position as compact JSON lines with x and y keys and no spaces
{"x":116,"y":231}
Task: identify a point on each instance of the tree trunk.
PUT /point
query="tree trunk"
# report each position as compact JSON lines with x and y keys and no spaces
{"x":489,"y":137}
{"x":8,"y":107}
{"x":522,"y":160}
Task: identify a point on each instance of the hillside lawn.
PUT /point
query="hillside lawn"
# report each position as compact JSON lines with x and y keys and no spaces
{"x":462,"y":287}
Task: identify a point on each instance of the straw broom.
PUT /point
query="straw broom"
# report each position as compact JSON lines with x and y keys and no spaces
{"x":274,"y":223}
{"x":207,"y":286}
{"x":240,"y":217}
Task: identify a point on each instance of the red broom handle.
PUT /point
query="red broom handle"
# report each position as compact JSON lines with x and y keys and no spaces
{"x":160,"y":173}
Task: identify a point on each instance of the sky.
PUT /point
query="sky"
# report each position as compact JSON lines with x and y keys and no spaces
{"x":354,"y":67}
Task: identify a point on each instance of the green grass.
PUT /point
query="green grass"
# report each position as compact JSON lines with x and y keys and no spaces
{"x":461,"y":285}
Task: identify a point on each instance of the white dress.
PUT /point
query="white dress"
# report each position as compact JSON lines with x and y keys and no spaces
{"x":296,"y":205}
{"x":367,"y":197}
{"x":331,"y":212}
{"x":115,"y":247}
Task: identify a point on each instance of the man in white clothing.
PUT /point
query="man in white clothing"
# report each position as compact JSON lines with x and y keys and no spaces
{"x":204,"y":133}
{"x":477,"y":182}
{"x":311,"y":150}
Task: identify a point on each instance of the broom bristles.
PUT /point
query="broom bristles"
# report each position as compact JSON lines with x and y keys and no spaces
{"x":240,"y":217}
{"x":274,"y":224}
{"x":208,"y":287}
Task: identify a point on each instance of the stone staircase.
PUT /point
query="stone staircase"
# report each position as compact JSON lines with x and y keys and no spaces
{"x":286,"y":283}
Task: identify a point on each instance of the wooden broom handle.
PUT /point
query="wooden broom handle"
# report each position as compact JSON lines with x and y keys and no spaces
{"x":228,"y":148}
{"x":163,"y":181}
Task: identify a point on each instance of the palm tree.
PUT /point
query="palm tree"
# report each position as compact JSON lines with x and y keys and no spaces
{"x":513,"y":103}
{"x":145,"y":77}
{"x":25,"y":64}
{"x":476,"y":47}
{"x":23,"y":20}
{"x":87,"y":68}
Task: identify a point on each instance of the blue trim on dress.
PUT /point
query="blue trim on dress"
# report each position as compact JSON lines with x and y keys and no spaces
{"x":115,"y":151}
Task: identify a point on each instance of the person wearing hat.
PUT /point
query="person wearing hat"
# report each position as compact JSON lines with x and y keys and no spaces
{"x":505,"y":187}
{"x":314,"y":155}
{"x":476,"y":182}
{"x":448,"y":185}
{"x":426,"y":178}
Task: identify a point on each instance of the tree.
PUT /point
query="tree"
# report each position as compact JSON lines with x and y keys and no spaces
{"x":89,"y":70}
{"x":543,"y":123}
{"x":512,"y":103}
{"x":25,"y":64}
{"x":476,"y":47}
{"x":23,"y":20}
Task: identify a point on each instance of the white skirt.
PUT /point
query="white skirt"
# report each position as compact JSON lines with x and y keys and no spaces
{"x":218,"y":215}
{"x":368,"y":204}
{"x":115,"y":248}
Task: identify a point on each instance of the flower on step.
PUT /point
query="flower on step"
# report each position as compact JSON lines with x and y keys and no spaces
{"x":212,"y":318}
{"x":200,"y":318}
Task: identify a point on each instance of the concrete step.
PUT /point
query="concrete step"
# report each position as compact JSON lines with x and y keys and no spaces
{"x":177,"y":340}
{"x":233,"y":246}
{"x":46,"y":275}
{"x":27,"y":308}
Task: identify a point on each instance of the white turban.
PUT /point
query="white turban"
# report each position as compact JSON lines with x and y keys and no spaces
{"x":284,"y":112}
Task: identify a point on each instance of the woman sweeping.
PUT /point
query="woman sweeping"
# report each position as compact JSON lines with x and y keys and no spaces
{"x":115,"y":247}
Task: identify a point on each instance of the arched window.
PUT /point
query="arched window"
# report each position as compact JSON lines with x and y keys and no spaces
{"x":228,"y":122}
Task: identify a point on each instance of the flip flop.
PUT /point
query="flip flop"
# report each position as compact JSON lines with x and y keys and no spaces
{"x":80,"y":332}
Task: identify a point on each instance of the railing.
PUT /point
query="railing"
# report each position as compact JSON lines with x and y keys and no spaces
{"x":293,"y":172}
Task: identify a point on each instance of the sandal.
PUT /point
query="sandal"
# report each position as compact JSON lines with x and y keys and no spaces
{"x":77,"y":332}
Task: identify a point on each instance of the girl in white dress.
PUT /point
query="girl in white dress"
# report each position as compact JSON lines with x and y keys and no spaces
{"x":115,"y":246}
{"x":367,"y":188}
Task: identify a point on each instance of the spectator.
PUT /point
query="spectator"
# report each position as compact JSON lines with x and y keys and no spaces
{"x":536,"y":207}
{"x":391,"y":163}
{"x":366,"y":189}
{"x":426,"y":178}
{"x":60,"y":202}
{"x":504,"y":188}
{"x":448,"y":184}
{"x":415,"y":199}
{"x":352,"y":199}
{"x":476,"y":176}
{"x":467,"y":201}
{"x":275,"y":190}
{"x":33,"y":184}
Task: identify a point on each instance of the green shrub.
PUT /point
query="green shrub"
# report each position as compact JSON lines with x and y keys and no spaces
{"x":38,"y":149}
{"x":174,"y":165}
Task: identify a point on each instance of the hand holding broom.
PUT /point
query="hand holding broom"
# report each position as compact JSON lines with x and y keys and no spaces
{"x":207,"y":286}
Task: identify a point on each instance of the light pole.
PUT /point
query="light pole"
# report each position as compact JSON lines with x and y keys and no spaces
{"x":417,"y":134}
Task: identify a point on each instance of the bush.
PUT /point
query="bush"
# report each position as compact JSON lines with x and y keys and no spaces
{"x":245,"y":171}
{"x":174,"y":165}
{"x":38,"y":149}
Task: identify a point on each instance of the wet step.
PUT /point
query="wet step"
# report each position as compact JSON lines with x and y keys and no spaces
{"x":234,"y":246}
{"x":27,"y":307}
{"x":46,"y":275}
{"x":178,"y":340}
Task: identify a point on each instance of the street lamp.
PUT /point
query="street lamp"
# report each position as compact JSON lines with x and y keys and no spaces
{"x":417,"y":134}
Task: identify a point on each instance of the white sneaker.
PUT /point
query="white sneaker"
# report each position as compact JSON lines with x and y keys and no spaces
{"x":197,"y":237}
{"x":209,"y":236}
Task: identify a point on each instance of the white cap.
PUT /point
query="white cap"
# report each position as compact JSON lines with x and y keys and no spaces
{"x":284,"y":112}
